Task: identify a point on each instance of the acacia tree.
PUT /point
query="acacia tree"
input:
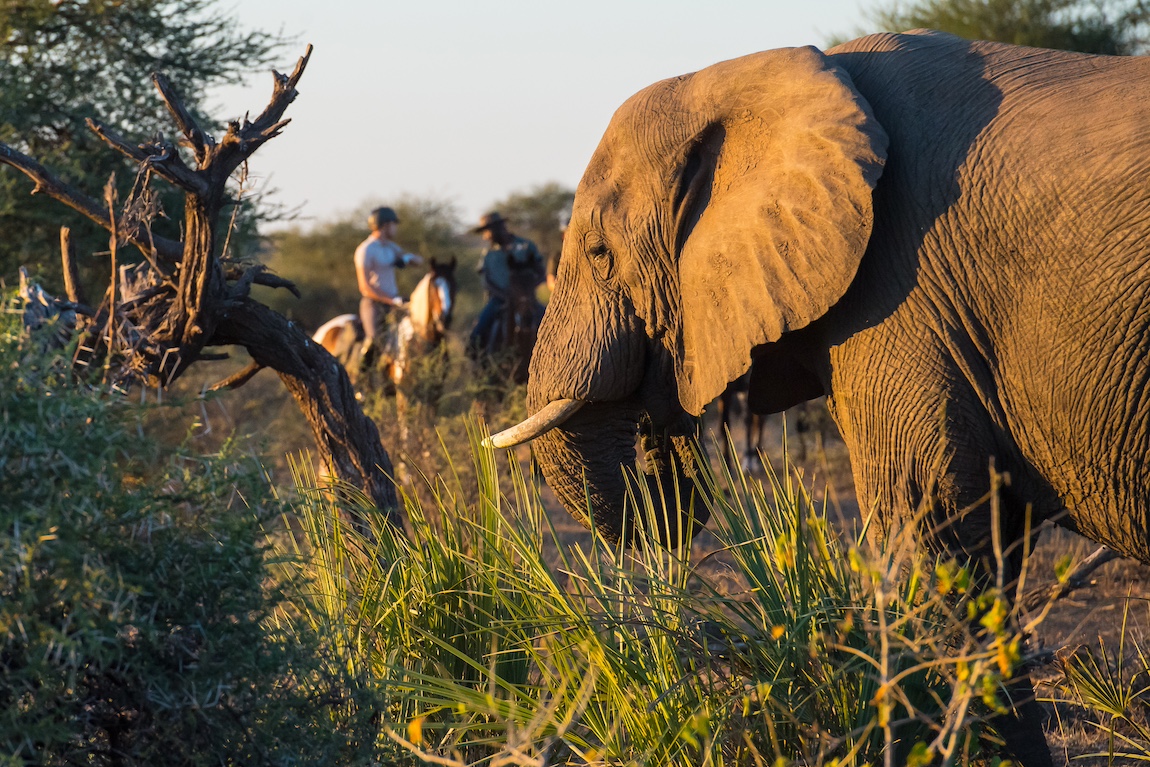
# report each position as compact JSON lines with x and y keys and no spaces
{"x":1113,"y":27}
{"x":64,"y":61}
{"x":157,"y":319}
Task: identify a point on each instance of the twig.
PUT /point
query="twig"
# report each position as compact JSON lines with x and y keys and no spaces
{"x":113,"y":244}
{"x":283,"y":94}
{"x":235,"y":211}
{"x":258,"y":275}
{"x":270,"y":280}
{"x":75,"y":306}
{"x":71,"y":271}
{"x":236,"y":380}
{"x":1076,"y":579}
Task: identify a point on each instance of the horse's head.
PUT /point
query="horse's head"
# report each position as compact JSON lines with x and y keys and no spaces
{"x":443,"y":283}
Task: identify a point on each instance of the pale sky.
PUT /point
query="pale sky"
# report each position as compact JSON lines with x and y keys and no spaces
{"x":472,"y":101}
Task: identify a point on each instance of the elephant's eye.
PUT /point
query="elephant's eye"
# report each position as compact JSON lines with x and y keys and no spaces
{"x":601,"y":258}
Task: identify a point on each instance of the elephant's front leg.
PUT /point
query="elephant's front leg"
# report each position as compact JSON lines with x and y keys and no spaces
{"x":924,"y":455}
{"x":924,"y":447}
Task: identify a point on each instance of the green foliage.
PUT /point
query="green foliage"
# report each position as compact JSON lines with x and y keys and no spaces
{"x":319,"y":259}
{"x":137,"y":626}
{"x":492,"y":638}
{"x":536,"y":213}
{"x":64,"y":62}
{"x":1114,"y":696}
{"x":1115,"y":27}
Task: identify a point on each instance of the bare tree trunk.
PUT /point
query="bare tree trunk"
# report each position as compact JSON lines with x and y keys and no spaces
{"x":323,"y":391}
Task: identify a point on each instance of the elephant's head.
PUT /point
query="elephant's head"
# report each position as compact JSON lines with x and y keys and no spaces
{"x":721,"y":210}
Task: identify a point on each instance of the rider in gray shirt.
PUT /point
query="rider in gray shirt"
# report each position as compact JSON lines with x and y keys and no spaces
{"x":376,"y":260}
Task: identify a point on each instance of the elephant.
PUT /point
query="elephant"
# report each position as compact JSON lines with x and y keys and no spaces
{"x":948,"y":239}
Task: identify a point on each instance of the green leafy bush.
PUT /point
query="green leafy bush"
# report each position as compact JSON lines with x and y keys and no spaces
{"x":137,"y":623}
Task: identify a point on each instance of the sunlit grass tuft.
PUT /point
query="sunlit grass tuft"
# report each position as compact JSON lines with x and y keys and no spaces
{"x":1112,"y":688}
{"x":486,"y":648}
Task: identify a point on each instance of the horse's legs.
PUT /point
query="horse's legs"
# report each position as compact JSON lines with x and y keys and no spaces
{"x":723,"y":405}
{"x":483,"y":337}
{"x":799,"y":420}
{"x":752,"y":457}
{"x":526,"y":331}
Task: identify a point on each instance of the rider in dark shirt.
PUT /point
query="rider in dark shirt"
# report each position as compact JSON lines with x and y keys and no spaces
{"x":505,"y":252}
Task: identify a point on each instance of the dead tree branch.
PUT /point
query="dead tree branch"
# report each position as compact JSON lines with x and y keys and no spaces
{"x":49,"y":184}
{"x":1076,"y":579}
{"x":322,"y":391}
{"x":158,"y":155}
{"x":236,"y":380}
{"x":257,"y":274}
{"x":157,"y":318}
{"x":200,"y":142}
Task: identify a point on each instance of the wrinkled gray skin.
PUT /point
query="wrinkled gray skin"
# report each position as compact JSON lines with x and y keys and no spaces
{"x":951,"y":240}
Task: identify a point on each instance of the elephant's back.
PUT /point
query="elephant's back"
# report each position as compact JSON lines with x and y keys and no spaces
{"x":927,"y":82}
{"x":1016,"y":191}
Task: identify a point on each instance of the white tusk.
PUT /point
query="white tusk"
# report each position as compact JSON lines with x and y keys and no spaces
{"x":555,"y":413}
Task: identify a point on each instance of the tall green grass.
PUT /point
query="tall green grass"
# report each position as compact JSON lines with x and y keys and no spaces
{"x":488,"y":649}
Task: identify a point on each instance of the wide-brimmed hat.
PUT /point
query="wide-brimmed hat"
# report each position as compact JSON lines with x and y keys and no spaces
{"x":490,"y":221}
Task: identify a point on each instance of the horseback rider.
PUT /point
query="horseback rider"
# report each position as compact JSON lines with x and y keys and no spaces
{"x":376,"y":260}
{"x":505,"y":253}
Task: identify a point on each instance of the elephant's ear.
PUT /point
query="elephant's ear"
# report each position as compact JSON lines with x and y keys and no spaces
{"x":773,"y":206}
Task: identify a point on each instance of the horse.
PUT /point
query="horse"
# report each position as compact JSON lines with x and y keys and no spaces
{"x":422,"y":328}
{"x":754,"y":424}
{"x":512,"y":337}
{"x":428,"y":318}
{"x":807,"y":418}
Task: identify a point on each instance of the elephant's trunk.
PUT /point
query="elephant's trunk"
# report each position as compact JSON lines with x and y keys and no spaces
{"x":581,"y":461}
{"x":585,"y":461}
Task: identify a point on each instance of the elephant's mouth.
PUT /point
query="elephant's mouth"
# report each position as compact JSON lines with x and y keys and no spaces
{"x":585,"y":449}
{"x":550,"y":416}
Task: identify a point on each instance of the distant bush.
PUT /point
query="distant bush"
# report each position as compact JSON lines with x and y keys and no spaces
{"x":137,"y":623}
